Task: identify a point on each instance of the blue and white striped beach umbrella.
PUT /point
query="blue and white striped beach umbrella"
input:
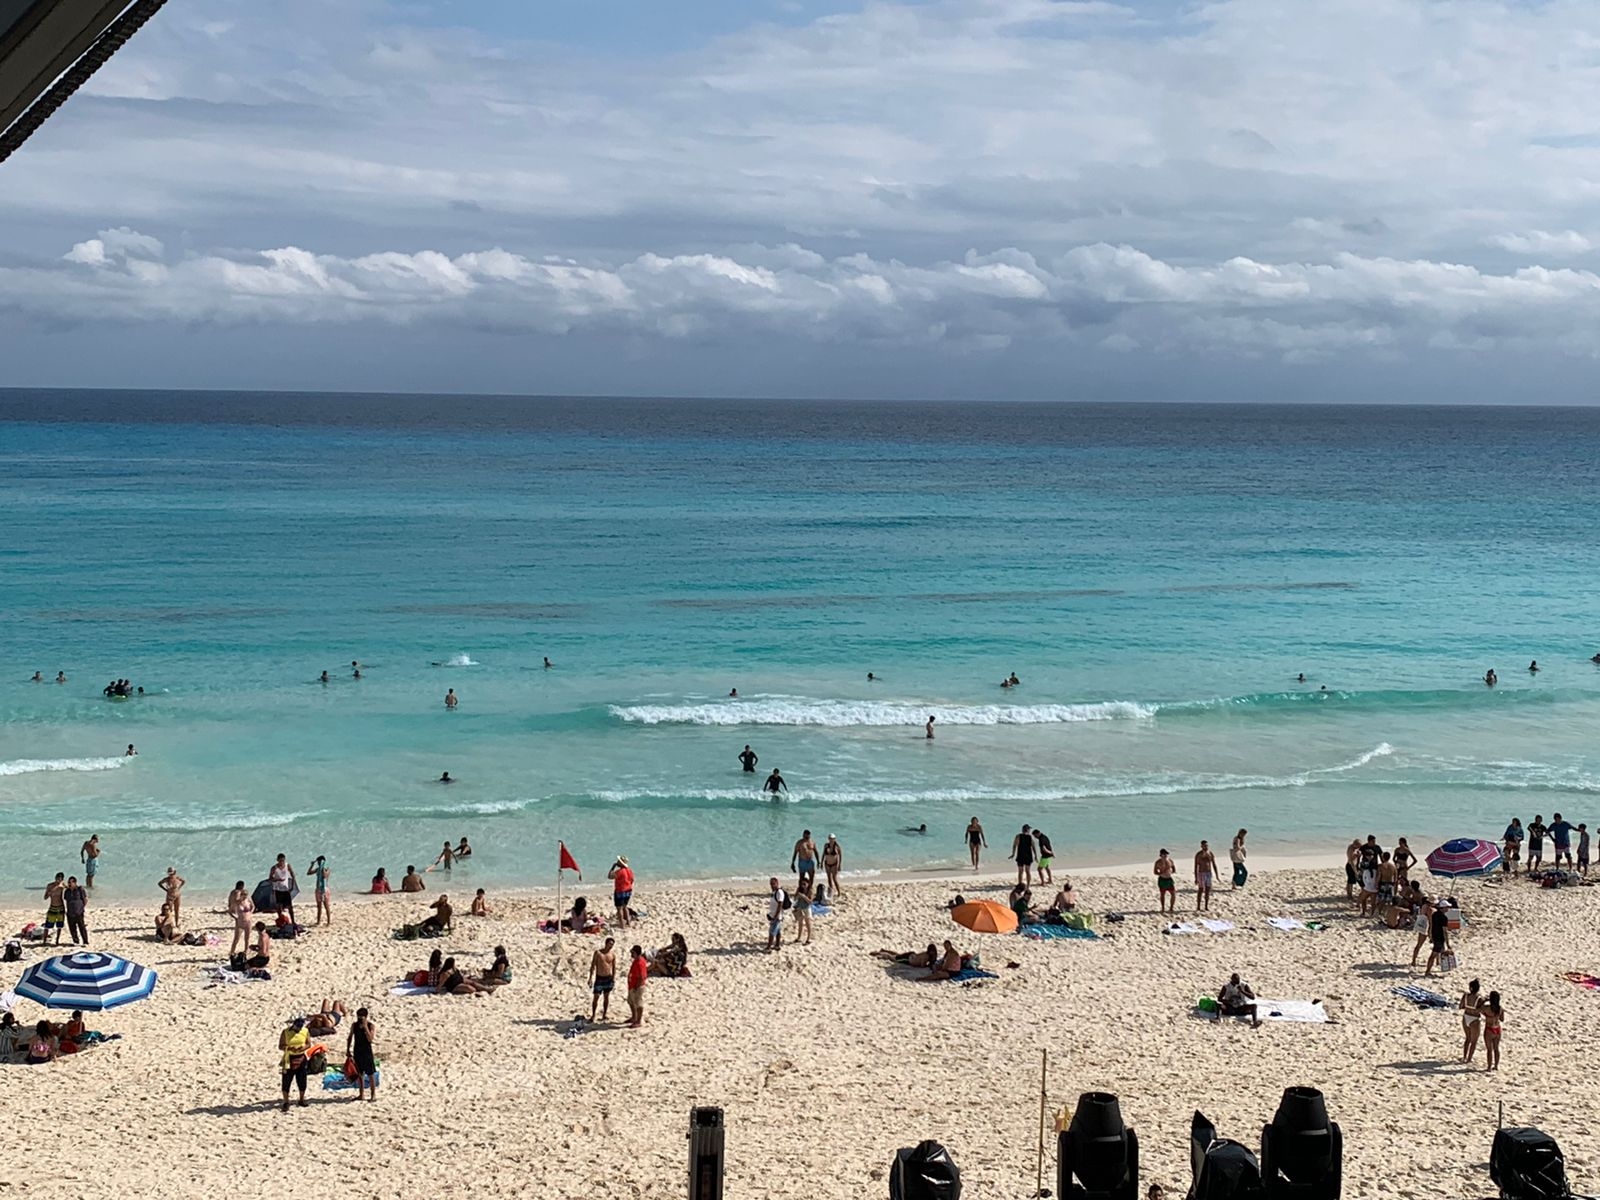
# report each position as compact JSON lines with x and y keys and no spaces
{"x":86,"y":980}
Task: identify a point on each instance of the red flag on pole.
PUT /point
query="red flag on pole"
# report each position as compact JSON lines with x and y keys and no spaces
{"x":568,"y":863}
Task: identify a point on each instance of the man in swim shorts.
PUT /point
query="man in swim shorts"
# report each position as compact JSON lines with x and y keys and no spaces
{"x":603,"y":978}
{"x":90,"y":854}
{"x":1166,"y":885}
{"x":1046,"y":854}
{"x":804,"y":859}
{"x":1205,"y":872}
{"x":1561,"y":835}
{"x":55,"y":914}
{"x":1022,"y":851}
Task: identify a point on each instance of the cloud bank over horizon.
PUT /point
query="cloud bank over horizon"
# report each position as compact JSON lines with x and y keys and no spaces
{"x":1013,"y":196}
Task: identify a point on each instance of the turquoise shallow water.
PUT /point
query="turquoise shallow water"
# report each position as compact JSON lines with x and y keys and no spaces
{"x":1156,"y":575}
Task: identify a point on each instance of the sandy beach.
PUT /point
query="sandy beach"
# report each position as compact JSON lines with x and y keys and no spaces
{"x":824,"y":1061}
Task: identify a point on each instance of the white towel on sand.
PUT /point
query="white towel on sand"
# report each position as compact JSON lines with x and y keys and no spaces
{"x":410,"y":989}
{"x":1216,"y":926}
{"x":1287,"y":924}
{"x":1181,"y":927}
{"x":1304,"y":1012}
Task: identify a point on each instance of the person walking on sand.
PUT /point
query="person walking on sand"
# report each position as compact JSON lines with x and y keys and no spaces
{"x":638,"y":974}
{"x":976,"y":842}
{"x":55,"y":909}
{"x":172,"y":884}
{"x":1236,"y":853}
{"x":1047,"y":854}
{"x":1494,"y":1018}
{"x":804,"y":859}
{"x":748,"y":759}
{"x":450,"y":700}
{"x":602,"y":978}
{"x":1166,"y":884}
{"x":89,"y":854}
{"x":774,"y":784}
{"x":777,"y":904}
{"x":75,"y":900}
{"x":802,"y":914}
{"x":1205,"y":874}
{"x":1022,"y":852}
{"x":295,"y":1046}
{"x":358,"y":1048}
{"x":1439,"y":932}
{"x":318,"y":870}
{"x":1471,"y":1020}
{"x":1423,"y":923}
{"x":832,"y":863}
{"x":240,"y":908}
{"x":281,"y":877}
{"x":621,"y":876}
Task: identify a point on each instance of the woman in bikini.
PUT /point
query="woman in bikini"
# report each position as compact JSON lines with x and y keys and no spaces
{"x":1493,"y":1018}
{"x":832,"y":860}
{"x":1471,"y":1020}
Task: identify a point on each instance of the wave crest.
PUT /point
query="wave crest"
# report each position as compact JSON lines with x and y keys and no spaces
{"x":843,"y":714}
{"x":29,"y":766}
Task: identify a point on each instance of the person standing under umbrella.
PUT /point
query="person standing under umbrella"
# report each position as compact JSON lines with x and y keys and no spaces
{"x":295,"y":1044}
{"x":75,"y":899}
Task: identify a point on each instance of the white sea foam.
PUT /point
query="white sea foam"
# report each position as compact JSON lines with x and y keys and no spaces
{"x":841,"y":714}
{"x":28,"y":766}
{"x":460,"y":660}
{"x":1381,"y":750}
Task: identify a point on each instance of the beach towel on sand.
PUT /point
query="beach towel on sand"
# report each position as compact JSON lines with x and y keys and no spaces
{"x":1303,"y":1012}
{"x":1058,"y":933}
{"x":1181,"y":927}
{"x":1211,"y":926}
{"x":967,"y":974}
{"x":333,"y":1080}
{"x":1584,"y":981}
{"x":1287,"y":924}
{"x":1421,"y":996}
{"x":410,"y":989}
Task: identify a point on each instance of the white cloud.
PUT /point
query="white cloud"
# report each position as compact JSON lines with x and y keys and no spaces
{"x":1566,"y":244}
{"x":1115,"y":297}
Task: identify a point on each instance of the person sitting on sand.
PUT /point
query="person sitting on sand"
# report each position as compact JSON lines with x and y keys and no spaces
{"x":580,"y":919}
{"x":453,"y":983}
{"x":263,"y":955}
{"x":480,"y":905}
{"x":13,"y":1038}
{"x":435,"y":962}
{"x":166,"y":929}
{"x":1021,"y":902}
{"x":497,"y":973}
{"x":412,"y":881}
{"x":1236,"y":999}
{"x":671,"y":961}
{"x":440,"y":921}
{"x":42,"y":1046}
{"x":950,"y":965}
{"x":325,"y":1021}
{"x":380,"y":882}
{"x":1066,"y":899}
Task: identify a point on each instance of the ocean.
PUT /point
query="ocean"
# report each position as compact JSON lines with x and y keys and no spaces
{"x":1157,"y":576}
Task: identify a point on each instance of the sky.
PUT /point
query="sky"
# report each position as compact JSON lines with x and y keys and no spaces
{"x":1365,"y":200}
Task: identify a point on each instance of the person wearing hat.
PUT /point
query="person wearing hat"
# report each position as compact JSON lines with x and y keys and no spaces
{"x":832,"y":861}
{"x":621,"y":876}
{"x":295,"y":1042}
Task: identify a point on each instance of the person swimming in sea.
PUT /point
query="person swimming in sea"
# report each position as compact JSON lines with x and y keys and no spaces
{"x":928,"y":728}
{"x":1300,"y":678}
{"x":1490,"y":678}
{"x":323,"y":678}
{"x":39,"y":678}
{"x":61,"y":676}
{"x":463,"y":850}
{"x":733,"y":693}
{"x":1533,"y":667}
{"x":914,"y":829}
{"x":130,"y":752}
{"x":445,"y":778}
{"x":547,"y":663}
{"x":450,"y":700}
{"x":871,"y":678}
{"x":774,"y":784}
{"x":356,"y":674}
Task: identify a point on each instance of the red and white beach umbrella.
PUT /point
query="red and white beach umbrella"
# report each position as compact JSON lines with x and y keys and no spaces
{"x":1464,"y":856}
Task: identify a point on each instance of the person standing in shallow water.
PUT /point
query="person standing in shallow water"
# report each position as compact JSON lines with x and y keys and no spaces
{"x":450,"y":700}
{"x":90,"y":854}
{"x":976,"y":842}
{"x":774,"y":784}
{"x":748,"y":760}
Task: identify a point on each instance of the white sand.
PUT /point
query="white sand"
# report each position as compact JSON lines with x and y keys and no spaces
{"x":824,"y":1061}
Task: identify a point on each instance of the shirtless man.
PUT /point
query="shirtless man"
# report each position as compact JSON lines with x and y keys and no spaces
{"x":1351,"y":853}
{"x":602,"y":978}
{"x":928,"y":728}
{"x":1205,"y":874}
{"x":450,"y":700}
{"x":804,"y":859}
{"x":1388,"y":876}
{"x":976,"y":842}
{"x":55,"y":907}
{"x":412,"y":881}
{"x":1022,"y":851}
{"x":1166,"y":885}
{"x":172,"y":884}
{"x":447,"y":857}
{"x":90,"y":855}
{"x":240,"y":908}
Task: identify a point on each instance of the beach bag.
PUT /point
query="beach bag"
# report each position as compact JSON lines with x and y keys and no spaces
{"x":237,"y":962}
{"x":13,"y":951}
{"x":420,"y":979}
{"x":786,"y":903}
{"x":349,"y":1071}
{"x":408,"y":933}
{"x":318,"y":1063}
{"x":925,"y":1172}
{"x":1447,"y":961}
